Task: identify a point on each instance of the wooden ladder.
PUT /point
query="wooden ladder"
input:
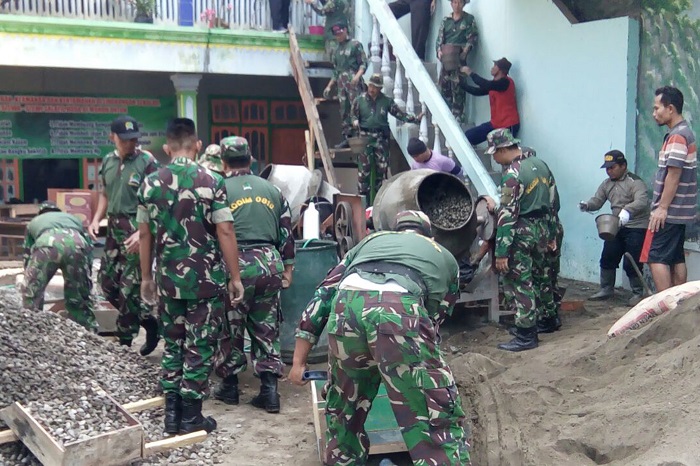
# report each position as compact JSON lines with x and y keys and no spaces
{"x":316,"y":133}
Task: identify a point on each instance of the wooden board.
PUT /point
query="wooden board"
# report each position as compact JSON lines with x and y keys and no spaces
{"x":178,"y":441}
{"x":381,"y":426}
{"x":307,"y":97}
{"x":35,"y":437}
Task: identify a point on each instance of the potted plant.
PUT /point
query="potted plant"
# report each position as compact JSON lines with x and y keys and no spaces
{"x":144,"y":9}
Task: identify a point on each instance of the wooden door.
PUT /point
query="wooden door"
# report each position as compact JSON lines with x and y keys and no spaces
{"x":288,"y":146}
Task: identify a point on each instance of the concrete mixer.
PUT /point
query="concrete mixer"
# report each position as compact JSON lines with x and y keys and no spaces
{"x":442,"y":197}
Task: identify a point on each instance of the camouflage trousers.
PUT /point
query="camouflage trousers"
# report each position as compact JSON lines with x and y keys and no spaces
{"x":258,"y":313}
{"x":527,"y":287}
{"x":552,"y":268}
{"x":346,"y":95}
{"x":71,"y":252}
{"x":454,"y":94}
{"x":376,"y":337}
{"x":376,"y":154}
{"x":191,"y":330}
{"x":120,"y":277}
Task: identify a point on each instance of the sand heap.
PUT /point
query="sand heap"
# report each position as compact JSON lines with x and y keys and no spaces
{"x":583,"y":399}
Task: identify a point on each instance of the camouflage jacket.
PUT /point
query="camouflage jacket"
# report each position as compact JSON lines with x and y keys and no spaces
{"x":182,"y":203}
{"x":462,"y":32}
{"x":436,"y":266}
{"x":373,"y":114}
{"x":348,"y":58}
{"x":335,"y":11}
{"x":523,"y":193}
{"x":50,"y":222}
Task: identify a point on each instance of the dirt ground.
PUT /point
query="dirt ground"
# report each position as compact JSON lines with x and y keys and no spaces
{"x":579,"y":399}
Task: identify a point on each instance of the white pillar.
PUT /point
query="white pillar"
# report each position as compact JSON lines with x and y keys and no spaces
{"x":186,"y":86}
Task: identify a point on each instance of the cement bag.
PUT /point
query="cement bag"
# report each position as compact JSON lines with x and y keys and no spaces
{"x":653,"y":306}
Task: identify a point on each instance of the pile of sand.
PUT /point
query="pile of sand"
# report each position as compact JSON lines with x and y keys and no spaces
{"x":583,"y":399}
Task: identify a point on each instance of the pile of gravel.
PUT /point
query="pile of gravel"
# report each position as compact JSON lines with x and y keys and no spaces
{"x":58,"y":369}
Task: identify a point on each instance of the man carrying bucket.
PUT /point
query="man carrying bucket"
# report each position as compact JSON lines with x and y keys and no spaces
{"x":458,"y":31}
{"x":629,"y":202}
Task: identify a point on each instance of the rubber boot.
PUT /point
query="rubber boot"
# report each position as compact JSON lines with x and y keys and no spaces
{"x":607,"y":285}
{"x":637,"y":291}
{"x":525,"y":339}
{"x":192,"y":419}
{"x":173,"y":413}
{"x":228,"y":390}
{"x":549,"y":324}
{"x":268,"y":398}
{"x":150,"y":324}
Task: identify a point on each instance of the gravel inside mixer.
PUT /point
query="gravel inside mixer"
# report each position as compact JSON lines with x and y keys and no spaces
{"x":446,"y":201}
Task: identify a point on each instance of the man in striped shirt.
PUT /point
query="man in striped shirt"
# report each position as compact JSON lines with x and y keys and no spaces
{"x":675,"y":192}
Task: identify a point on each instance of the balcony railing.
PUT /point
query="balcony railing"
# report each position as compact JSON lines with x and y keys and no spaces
{"x":226,"y":14}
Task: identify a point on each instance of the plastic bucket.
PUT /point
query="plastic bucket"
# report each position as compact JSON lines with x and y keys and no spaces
{"x":608,"y":226}
{"x":316,"y":30}
{"x":450,"y":57}
{"x":314,"y":259}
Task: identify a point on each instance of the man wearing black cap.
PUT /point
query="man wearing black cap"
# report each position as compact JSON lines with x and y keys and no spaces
{"x":57,"y":240}
{"x":427,"y":158}
{"x":122,"y":173}
{"x":349,"y":64}
{"x":501,"y":92}
{"x":629,"y":201}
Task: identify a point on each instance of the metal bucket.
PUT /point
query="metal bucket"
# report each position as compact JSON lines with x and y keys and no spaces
{"x":608,"y":226}
{"x":450,"y":57}
{"x":358,"y":144}
{"x":419,"y":190}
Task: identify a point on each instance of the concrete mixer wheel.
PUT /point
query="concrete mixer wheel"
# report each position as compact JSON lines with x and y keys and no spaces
{"x":345,"y":244}
{"x":343,"y":220}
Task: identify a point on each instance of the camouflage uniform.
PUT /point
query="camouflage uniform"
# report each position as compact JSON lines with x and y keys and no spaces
{"x":462,"y":33}
{"x":336,"y":12}
{"x":262,"y":219}
{"x":525,"y":227}
{"x":387,"y":336}
{"x":182,"y":203}
{"x":373,"y":118}
{"x":348,"y":58}
{"x":57,"y":240}
{"x":120,"y":272}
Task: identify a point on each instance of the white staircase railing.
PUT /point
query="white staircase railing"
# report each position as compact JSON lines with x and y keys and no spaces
{"x":430,"y":99}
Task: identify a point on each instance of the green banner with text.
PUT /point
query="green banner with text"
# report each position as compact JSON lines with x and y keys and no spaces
{"x":55,"y":126}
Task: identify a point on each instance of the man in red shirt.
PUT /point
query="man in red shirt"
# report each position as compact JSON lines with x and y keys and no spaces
{"x":501,"y":92}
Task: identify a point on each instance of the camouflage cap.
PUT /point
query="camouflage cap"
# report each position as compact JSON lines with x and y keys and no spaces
{"x":499,"y":138}
{"x":48,"y":206}
{"x":415,"y":220}
{"x":377,"y":80}
{"x":211,"y":158}
{"x":234,"y":148}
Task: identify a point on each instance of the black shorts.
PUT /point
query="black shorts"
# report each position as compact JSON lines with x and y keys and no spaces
{"x":667,"y":245}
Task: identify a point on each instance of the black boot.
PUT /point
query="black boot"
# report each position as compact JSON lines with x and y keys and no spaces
{"x":192,"y":419}
{"x":150,"y":324}
{"x":268,"y":399}
{"x":125,"y":341}
{"x":549,"y":324}
{"x":173,"y":413}
{"x":228,"y":390}
{"x":525,"y":339}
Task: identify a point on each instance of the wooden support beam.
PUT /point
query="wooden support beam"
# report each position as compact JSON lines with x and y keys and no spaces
{"x":178,"y":441}
{"x":307,"y":97}
{"x":143,"y":405}
{"x":7,"y":436}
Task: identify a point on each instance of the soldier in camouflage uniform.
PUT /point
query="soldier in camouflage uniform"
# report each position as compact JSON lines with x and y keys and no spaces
{"x":457,"y":29}
{"x":526,"y":230}
{"x":211,"y":159}
{"x":266,"y":253}
{"x":383,"y":305}
{"x":185,"y":223}
{"x":336,"y":12}
{"x":349,"y":64}
{"x":57,"y":240}
{"x":122,"y":173}
{"x":370,"y":113}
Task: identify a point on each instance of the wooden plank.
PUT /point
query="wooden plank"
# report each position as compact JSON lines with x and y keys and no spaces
{"x":39,"y":442}
{"x":307,"y":97}
{"x":113,"y":448}
{"x":178,"y":441}
{"x":7,"y":436}
{"x":143,"y":405}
